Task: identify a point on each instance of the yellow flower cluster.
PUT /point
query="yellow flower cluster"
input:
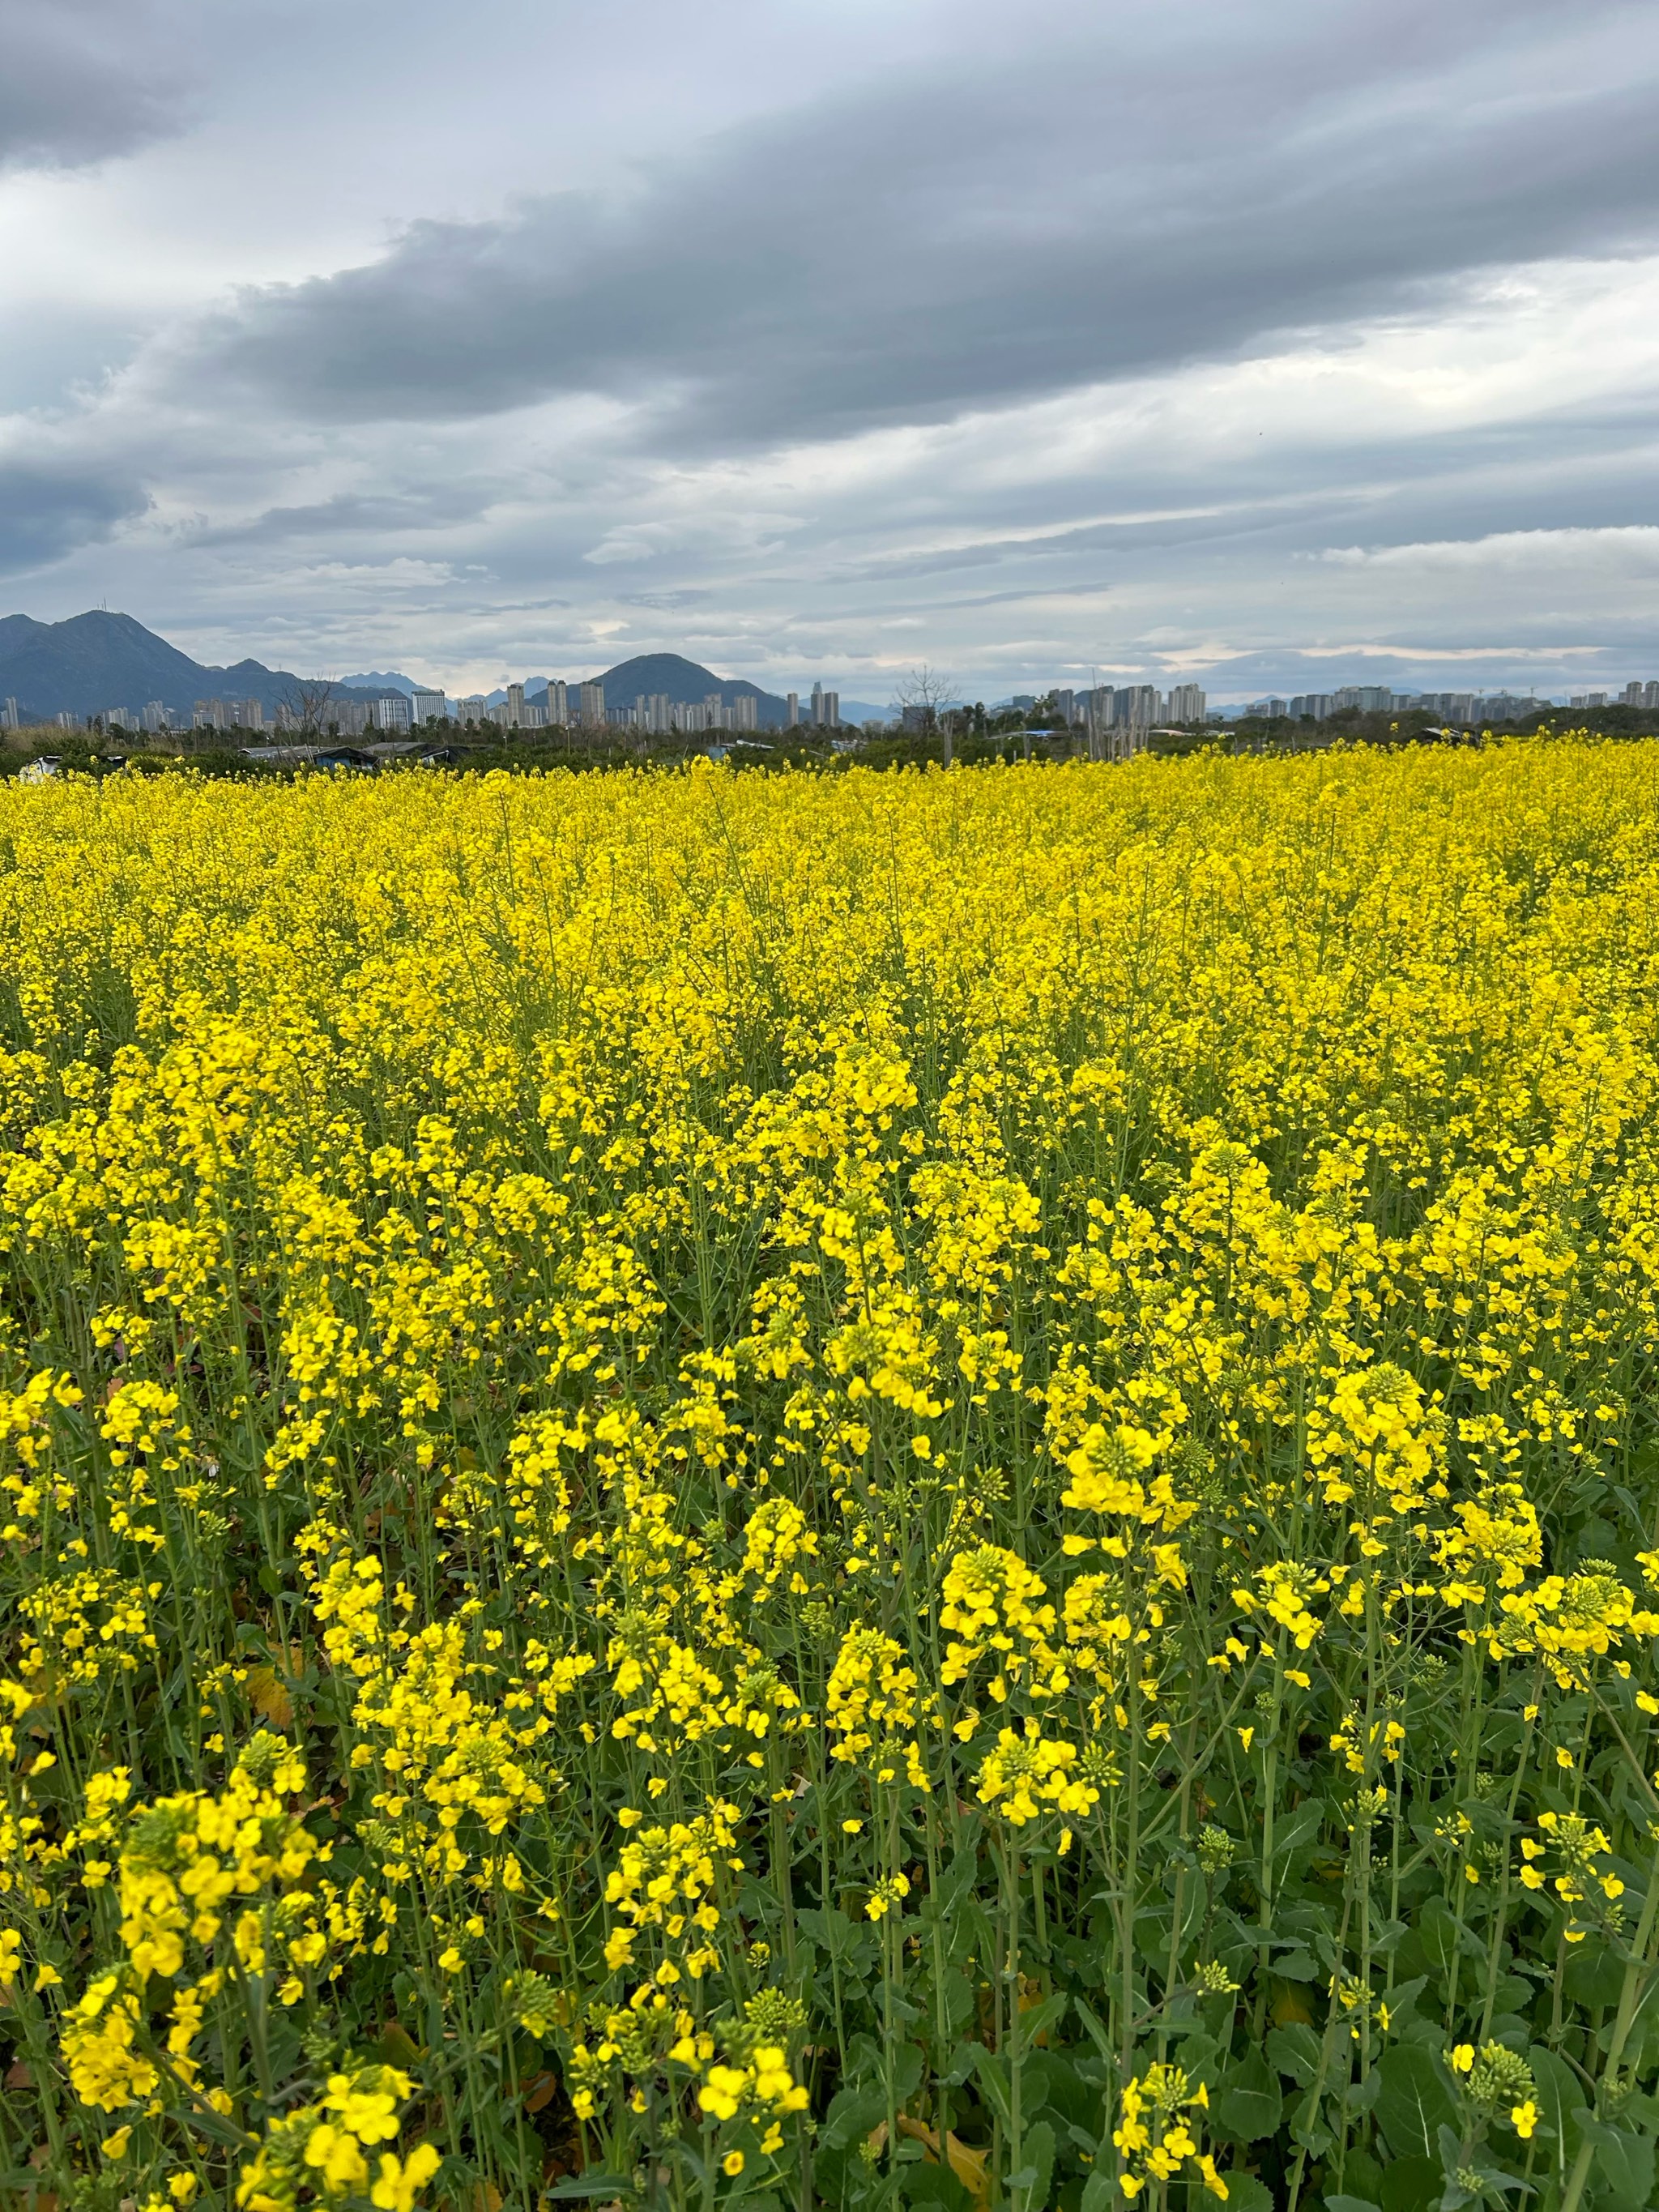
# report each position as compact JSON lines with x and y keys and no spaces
{"x":327,"y":2153}
{"x":1154,"y":2134}
{"x":732,"y":1479}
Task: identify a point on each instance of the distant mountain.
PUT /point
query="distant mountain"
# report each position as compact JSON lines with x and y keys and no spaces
{"x":383,"y":680}
{"x":687,"y":683}
{"x":94,"y":661}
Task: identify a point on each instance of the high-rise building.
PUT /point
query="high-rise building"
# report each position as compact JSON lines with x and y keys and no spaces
{"x":1632,"y":695}
{"x":716,"y":715}
{"x":251,"y":714}
{"x":817,"y":706}
{"x":120,"y":718}
{"x":157,"y":718}
{"x":829,"y":709}
{"x":1313,"y":705}
{"x":1651,"y":695}
{"x":475,"y":708}
{"x":427,"y":707}
{"x":791,"y":704}
{"x":393,"y":715}
{"x":746,"y":712}
{"x":511,"y":713}
{"x":558,"y":703}
{"x":1186,"y":703}
{"x":8,"y":716}
{"x":1134,"y":705}
{"x":592,"y":705}
{"x":1065,"y":706}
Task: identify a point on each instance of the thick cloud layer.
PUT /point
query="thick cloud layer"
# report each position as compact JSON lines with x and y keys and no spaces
{"x":82,"y":80}
{"x":961,"y":240}
{"x":1262,"y":342}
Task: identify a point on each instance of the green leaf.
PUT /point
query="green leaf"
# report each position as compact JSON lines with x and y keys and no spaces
{"x":1289,"y":1835}
{"x":1595,"y":1975}
{"x":1040,"y":2019}
{"x":994,"y":2080}
{"x":1437,"y":1928}
{"x":1625,"y":2159}
{"x":1251,"y":2104}
{"x":1560,"y":2092}
{"x":1411,"y":2184}
{"x":853,"y":2113}
{"x":1246,"y":2194}
{"x":1295,"y":2051}
{"x":1036,"y":2166}
{"x":934,"y":2185}
{"x":1097,"y":2035}
{"x":1340,"y":2203}
{"x":586,"y":2185}
{"x":1100,"y":2192}
{"x":1415,"y":2102}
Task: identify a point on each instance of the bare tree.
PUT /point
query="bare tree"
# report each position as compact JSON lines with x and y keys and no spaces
{"x":921,"y":697}
{"x":308,"y":699}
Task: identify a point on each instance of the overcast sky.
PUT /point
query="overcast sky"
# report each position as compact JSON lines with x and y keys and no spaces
{"x":1273,"y":342}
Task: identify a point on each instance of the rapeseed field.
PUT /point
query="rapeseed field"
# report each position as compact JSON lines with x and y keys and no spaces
{"x":866,"y":1491}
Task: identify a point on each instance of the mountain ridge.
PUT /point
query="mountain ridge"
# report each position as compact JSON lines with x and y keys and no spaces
{"x":88,"y":662}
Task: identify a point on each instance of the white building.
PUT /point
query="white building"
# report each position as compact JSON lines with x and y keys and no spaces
{"x":792,"y":702}
{"x":590,"y":708}
{"x":1186,"y":703}
{"x":745,"y":714}
{"x":427,"y":707}
{"x":8,"y":716}
{"x":121,"y":718}
{"x":829,"y":710}
{"x":392,"y":714}
{"x":558,"y":704}
{"x":715,"y":713}
{"x":157,"y":718}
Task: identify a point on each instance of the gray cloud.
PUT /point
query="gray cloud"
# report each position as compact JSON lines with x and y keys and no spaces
{"x":1208,"y":338}
{"x":81,"y":80}
{"x":49,"y":508}
{"x":979,"y":238}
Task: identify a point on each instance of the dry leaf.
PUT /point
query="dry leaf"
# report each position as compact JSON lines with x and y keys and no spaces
{"x":268,"y":1696}
{"x":968,"y":2165}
